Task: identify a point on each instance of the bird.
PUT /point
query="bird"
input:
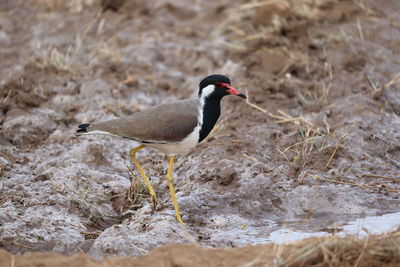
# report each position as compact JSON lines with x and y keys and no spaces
{"x":172,"y":128}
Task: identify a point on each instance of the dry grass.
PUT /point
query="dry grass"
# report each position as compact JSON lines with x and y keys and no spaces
{"x":237,"y":30}
{"x":334,"y":251}
{"x":132,"y":198}
{"x":377,"y":91}
{"x":335,"y":150}
{"x":317,"y":97}
{"x":73,"y":6}
{"x":316,"y":144}
{"x":137,"y":191}
{"x":313,"y":139}
{"x":218,"y":131}
{"x":105,"y":51}
{"x":382,"y":250}
{"x":58,"y":60}
{"x":101,"y":49}
{"x":70,"y":60}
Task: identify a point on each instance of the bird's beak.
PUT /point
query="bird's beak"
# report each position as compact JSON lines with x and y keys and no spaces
{"x":233,"y":91}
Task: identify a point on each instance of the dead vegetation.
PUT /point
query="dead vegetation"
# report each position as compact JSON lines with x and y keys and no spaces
{"x":73,"y":6}
{"x":85,"y":53}
{"x":371,"y":251}
{"x":274,"y":29}
{"x":133,"y":198}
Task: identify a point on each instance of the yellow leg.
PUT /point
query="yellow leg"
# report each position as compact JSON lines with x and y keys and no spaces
{"x":171,"y":189}
{"x":146,"y":180}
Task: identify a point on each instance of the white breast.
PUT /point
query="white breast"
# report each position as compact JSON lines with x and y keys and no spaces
{"x":182,"y":147}
{"x":192,"y":139}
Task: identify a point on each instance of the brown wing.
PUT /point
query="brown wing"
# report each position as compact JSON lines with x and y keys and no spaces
{"x":170,"y":122}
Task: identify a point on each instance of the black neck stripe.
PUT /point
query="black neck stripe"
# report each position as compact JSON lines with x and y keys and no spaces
{"x":211,"y":111}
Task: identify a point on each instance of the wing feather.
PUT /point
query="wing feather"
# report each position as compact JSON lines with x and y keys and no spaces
{"x":166,"y":123}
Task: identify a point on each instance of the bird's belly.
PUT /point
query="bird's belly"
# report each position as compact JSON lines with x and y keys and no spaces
{"x":181,"y":147}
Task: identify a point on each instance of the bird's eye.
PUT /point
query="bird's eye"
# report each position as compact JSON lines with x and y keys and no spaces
{"x":219,"y":85}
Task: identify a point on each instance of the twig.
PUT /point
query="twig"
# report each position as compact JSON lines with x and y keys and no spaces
{"x":378,"y":91}
{"x":287,"y":118}
{"x":394,"y":80}
{"x":362,"y":252}
{"x":252,"y":158}
{"x":361,"y":4}
{"x":336,"y":148}
{"x":81,"y":250}
{"x":348,"y":183}
{"x":237,"y":30}
{"x":392,"y":189}
{"x":254,"y":36}
{"x":359,"y":29}
{"x":277,"y":117}
{"x":382,"y":176}
{"x":215,"y":133}
{"x":282,"y":154}
{"x":254,"y":105}
{"x":232,"y":45}
{"x":372,"y":84}
{"x":258,"y":4}
{"x":307,"y":155}
{"x":301,"y":142}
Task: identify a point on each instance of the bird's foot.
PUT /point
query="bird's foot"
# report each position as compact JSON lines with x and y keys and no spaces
{"x":179,"y":219}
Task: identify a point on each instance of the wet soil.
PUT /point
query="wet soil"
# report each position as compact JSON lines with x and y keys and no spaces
{"x":321,"y":147}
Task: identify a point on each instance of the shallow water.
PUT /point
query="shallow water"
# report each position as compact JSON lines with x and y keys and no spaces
{"x":269,"y":231}
{"x":360,"y":228}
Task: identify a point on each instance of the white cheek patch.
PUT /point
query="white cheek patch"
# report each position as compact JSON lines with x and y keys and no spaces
{"x":208,"y":90}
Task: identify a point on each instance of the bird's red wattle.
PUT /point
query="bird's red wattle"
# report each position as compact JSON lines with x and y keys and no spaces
{"x":230,"y":90}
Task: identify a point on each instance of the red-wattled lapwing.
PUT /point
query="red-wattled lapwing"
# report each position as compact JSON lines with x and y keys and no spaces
{"x":173,"y":128}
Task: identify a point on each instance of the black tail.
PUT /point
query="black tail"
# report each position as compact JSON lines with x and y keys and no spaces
{"x":83,"y":128}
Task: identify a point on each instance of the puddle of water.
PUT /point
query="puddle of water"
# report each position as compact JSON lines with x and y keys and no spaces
{"x":227,"y":227}
{"x":372,"y":225}
{"x":359,"y":228}
{"x":286,"y":236}
{"x":233,"y":230}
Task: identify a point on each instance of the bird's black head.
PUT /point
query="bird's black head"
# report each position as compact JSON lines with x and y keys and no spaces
{"x":217,"y":86}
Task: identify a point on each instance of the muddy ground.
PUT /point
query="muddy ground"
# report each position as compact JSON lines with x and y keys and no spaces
{"x":319,"y":146}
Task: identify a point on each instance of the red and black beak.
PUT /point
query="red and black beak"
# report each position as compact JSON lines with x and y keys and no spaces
{"x":233,"y":91}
